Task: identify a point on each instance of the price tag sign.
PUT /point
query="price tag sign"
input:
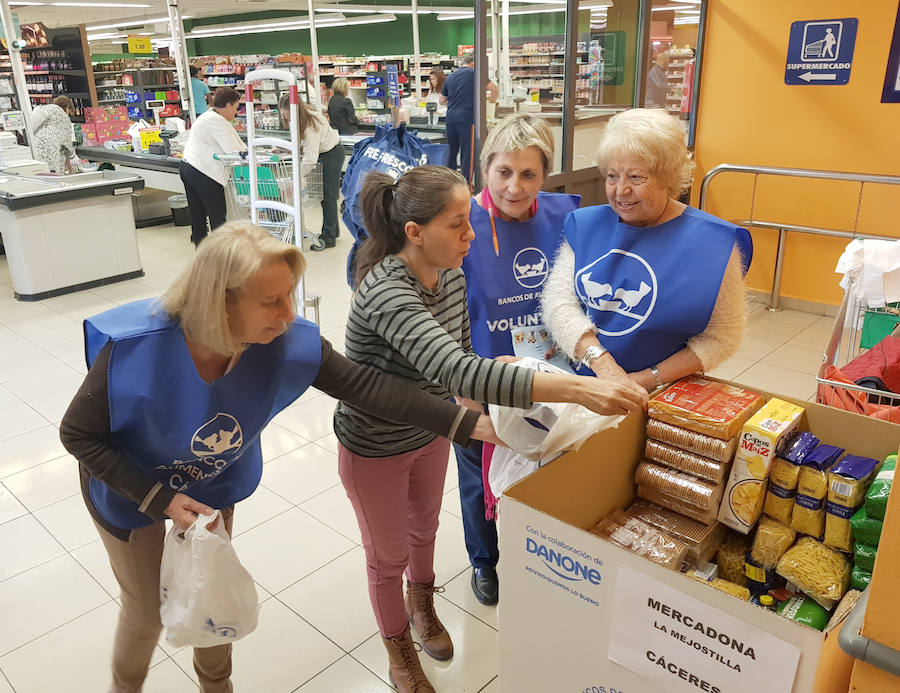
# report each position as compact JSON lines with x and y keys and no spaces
{"x":139,"y":44}
{"x":149,"y":135}
{"x":683,"y":645}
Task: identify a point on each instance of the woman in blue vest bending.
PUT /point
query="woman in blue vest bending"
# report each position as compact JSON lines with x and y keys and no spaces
{"x":167,"y":422}
{"x":646,"y":287}
{"x":518,"y":230}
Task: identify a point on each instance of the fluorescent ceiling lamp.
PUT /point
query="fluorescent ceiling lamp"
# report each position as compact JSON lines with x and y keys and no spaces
{"x":96,"y":4}
{"x":269,"y":25}
{"x":24,"y":4}
{"x":470,"y":15}
{"x":687,"y":20}
{"x":289,"y":26}
{"x":389,"y":9}
{"x":134,"y":22}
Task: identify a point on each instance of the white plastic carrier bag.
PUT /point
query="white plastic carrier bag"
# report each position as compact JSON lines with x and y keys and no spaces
{"x":539,"y":435}
{"x":207,"y":597}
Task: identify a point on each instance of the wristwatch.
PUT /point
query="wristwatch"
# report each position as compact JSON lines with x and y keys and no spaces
{"x":591,"y":354}
{"x":657,"y":380}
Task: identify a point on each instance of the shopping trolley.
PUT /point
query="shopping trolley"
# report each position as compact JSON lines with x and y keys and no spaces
{"x":846,"y":344}
{"x":274,"y":183}
{"x":268,"y":183}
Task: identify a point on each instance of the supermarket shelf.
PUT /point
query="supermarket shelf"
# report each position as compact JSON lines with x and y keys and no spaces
{"x":154,"y":86}
{"x":106,"y":101}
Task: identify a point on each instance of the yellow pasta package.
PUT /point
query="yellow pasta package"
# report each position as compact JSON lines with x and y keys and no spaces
{"x":759,"y":441}
{"x":731,"y":588}
{"x":772,"y":539}
{"x":847,"y":483}
{"x":820,"y":572}
{"x":731,"y":556}
{"x":784,"y":474}
{"x":808,"y":516}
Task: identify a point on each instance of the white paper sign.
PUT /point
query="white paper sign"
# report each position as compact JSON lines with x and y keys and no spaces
{"x":681,"y":644}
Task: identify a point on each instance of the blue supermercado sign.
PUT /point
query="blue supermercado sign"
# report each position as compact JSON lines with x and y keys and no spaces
{"x":820,"y":51}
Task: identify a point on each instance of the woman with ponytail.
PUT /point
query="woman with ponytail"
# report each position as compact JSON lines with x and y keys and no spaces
{"x":409,"y":319}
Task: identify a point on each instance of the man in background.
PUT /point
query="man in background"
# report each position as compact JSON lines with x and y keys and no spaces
{"x":458,"y":94}
{"x":200,"y":90}
{"x":658,"y":82}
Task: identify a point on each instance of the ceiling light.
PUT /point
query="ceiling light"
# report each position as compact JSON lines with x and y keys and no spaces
{"x":24,"y":3}
{"x":97,"y":4}
{"x":286,"y":26}
{"x":133,"y":22}
{"x":687,"y":20}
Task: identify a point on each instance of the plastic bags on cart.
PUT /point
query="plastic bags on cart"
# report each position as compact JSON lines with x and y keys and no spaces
{"x":207,"y":597}
{"x":871,"y":270}
{"x":390,"y":150}
{"x":537,"y":436}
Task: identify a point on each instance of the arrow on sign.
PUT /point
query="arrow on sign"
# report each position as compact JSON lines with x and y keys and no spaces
{"x":809,"y":76}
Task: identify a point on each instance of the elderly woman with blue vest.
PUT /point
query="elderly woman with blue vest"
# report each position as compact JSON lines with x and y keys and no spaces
{"x":647,"y":287}
{"x":168,"y":420}
{"x":518,"y":229}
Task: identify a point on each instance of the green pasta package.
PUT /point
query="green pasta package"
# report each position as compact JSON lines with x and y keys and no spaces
{"x":864,"y":556}
{"x":877,"y":497}
{"x":866,"y":529}
{"x":860,"y":578}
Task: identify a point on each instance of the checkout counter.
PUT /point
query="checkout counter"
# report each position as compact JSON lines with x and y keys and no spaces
{"x":68,"y":233}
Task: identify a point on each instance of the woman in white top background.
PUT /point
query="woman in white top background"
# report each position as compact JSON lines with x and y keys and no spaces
{"x":203,"y":176}
{"x":321,"y":144}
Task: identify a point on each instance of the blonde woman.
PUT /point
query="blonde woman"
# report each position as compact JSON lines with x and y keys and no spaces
{"x":320,"y":144}
{"x":646,"y":286}
{"x":518,"y":229}
{"x":340,"y":108}
{"x":168,"y":420}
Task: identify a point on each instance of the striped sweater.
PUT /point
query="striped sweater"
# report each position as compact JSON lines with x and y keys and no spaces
{"x":402,"y":328}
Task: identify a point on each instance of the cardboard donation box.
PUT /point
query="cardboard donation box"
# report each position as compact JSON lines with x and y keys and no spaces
{"x":582,"y":615}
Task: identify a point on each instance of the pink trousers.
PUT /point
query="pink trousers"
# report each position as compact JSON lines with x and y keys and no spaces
{"x":397,"y":501}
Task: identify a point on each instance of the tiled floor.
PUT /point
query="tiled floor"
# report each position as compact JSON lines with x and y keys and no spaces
{"x":297,"y":534}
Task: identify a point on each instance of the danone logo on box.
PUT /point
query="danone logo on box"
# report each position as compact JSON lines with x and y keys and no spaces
{"x":563,"y":566}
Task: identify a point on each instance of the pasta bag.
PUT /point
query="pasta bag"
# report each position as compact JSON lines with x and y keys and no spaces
{"x":808,"y":516}
{"x":847,"y":483}
{"x":731,"y":558}
{"x":761,"y":438}
{"x":818,"y":571}
{"x":783,"y":477}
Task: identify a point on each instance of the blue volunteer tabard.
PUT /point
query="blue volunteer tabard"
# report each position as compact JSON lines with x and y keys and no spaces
{"x":194,"y":437}
{"x":504,"y":292}
{"x":649,"y":290}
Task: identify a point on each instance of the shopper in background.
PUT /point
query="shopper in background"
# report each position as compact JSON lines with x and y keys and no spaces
{"x":53,"y":136}
{"x":459,"y":94}
{"x":647,"y":287}
{"x":408,"y":318}
{"x":209,"y":366}
{"x":199,"y":90}
{"x":320,"y":144}
{"x":436,"y":79}
{"x":341,"y":112}
{"x":518,"y":230}
{"x":204,"y":177}
{"x":658,"y":82}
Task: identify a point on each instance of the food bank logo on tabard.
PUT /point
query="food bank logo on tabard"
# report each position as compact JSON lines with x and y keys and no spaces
{"x":218,"y":436}
{"x":625,"y":301}
{"x":530,"y":267}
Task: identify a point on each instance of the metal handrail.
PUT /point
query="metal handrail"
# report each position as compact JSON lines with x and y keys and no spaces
{"x":784,"y":228}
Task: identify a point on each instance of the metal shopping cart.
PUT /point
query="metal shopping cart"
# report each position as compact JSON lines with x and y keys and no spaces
{"x":266,"y":182}
{"x":851,"y":340}
{"x":274,"y":183}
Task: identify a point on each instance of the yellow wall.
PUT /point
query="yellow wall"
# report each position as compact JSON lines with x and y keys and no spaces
{"x":747,"y":115}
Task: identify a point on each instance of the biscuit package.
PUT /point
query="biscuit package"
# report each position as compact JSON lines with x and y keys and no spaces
{"x":702,"y":540}
{"x":760,"y":440}
{"x":698,"y":443}
{"x":685,"y":461}
{"x":654,"y":495}
{"x":705,"y":406}
{"x":688,"y":489}
{"x":642,"y":539}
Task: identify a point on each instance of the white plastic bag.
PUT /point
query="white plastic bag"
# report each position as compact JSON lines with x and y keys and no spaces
{"x":207,"y":597}
{"x":539,"y":435}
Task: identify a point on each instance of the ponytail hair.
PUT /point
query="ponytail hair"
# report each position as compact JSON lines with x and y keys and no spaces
{"x":419,"y":196}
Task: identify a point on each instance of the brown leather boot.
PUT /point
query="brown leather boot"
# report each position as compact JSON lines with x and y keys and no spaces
{"x":404,"y":668}
{"x":420,"y":612}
